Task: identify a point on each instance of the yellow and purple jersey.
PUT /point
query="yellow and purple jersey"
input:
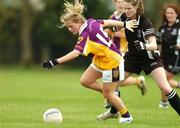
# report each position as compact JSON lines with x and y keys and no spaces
{"x":93,"y":39}
{"x":120,"y":41}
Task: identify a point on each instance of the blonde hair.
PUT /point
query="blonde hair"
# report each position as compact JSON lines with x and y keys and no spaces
{"x":72,"y":12}
{"x":114,"y":1}
{"x":139,"y":4}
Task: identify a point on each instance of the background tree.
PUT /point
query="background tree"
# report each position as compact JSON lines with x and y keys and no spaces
{"x":29,"y":11}
{"x":8,"y":34}
{"x":29,"y":32}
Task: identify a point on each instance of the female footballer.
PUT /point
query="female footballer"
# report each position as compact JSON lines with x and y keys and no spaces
{"x":107,"y":61}
{"x":119,"y":39}
{"x":142,"y":52}
{"x":169,"y":38}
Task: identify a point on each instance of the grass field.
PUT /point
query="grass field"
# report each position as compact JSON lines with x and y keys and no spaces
{"x":26,"y":93}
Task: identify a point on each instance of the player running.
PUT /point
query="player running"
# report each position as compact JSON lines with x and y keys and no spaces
{"x":142,"y":53}
{"x":107,"y":61}
{"x":169,"y":37}
{"x":118,"y":37}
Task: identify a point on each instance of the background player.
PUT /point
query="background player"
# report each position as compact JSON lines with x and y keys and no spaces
{"x":169,"y":37}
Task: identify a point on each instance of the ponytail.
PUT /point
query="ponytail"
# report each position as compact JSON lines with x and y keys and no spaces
{"x":72,"y":12}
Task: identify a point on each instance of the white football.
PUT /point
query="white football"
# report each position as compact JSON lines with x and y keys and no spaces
{"x":52,"y":115}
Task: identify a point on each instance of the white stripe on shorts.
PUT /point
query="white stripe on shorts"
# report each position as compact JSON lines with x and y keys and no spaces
{"x":95,"y":68}
{"x":107,"y":74}
{"x":121,"y":70}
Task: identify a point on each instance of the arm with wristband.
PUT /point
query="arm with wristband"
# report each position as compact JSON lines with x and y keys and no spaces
{"x":70,"y":56}
{"x":152,"y":45}
{"x":128,"y":24}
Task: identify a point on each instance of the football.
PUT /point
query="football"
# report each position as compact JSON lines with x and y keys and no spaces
{"x":52,"y":115}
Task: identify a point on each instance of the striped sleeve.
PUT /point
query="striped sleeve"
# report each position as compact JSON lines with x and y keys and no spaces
{"x":148,"y":29}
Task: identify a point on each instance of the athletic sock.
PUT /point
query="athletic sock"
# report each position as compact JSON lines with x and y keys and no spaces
{"x":126,"y":115}
{"x":113,"y":110}
{"x":163,"y":104}
{"x":124,"y":112}
{"x":174,"y":101}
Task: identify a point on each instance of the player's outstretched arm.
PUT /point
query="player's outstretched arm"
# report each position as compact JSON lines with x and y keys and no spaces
{"x":68,"y":57}
{"x":128,"y":24}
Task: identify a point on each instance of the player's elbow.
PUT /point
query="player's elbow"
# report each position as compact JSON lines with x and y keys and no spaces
{"x":154,"y":46}
{"x":75,"y":53}
{"x":151,"y":47}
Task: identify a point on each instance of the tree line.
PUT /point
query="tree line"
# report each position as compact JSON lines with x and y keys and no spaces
{"x":29,"y":32}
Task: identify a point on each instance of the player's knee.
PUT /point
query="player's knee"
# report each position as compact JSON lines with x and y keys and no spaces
{"x":85,"y":82}
{"x":107,"y":94}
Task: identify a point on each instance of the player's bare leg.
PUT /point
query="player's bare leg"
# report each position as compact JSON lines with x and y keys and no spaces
{"x":138,"y":81}
{"x":160,"y":77}
{"x":174,"y":84}
{"x":108,"y":91}
{"x":89,"y":77}
{"x":130,"y":81}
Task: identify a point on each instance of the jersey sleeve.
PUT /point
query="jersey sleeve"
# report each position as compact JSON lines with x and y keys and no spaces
{"x":100,"y":21}
{"x":148,"y":28}
{"x":81,"y":42}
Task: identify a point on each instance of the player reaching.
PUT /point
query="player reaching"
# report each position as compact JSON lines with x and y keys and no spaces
{"x":107,"y":61}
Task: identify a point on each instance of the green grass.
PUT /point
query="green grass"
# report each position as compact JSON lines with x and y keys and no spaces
{"x":25,"y":94}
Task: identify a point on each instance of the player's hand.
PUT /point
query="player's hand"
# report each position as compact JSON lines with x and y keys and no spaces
{"x":50,"y":63}
{"x":139,"y":45}
{"x":130,"y":25}
{"x":155,"y":54}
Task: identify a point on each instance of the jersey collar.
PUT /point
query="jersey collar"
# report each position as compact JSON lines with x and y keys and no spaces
{"x":138,"y":19}
{"x":117,"y":15}
{"x":83,"y":26}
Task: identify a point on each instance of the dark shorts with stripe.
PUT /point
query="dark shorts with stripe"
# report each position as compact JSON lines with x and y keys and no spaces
{"x":136,"y":65}
{"x":169,"y":65}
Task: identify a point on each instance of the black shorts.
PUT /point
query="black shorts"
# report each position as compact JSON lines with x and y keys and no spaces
{"x":169,"y":65}
{"x":136,"y":65}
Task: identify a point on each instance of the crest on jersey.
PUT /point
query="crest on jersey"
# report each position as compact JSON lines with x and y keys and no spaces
{"x":115,"y":73}
{"x":162,"y":31}
{"x":174,"y":32}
